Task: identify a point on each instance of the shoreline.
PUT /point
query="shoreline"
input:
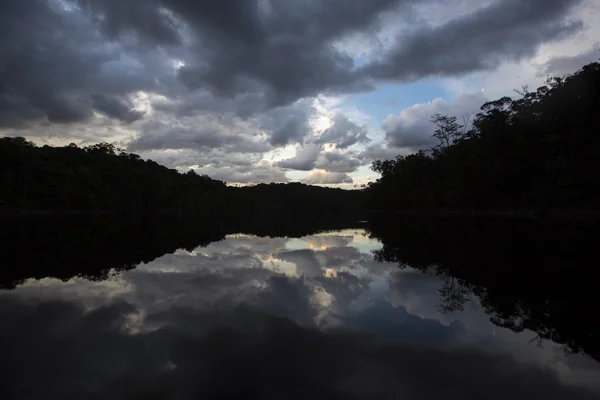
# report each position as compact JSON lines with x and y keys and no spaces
{"x":528,"y":214}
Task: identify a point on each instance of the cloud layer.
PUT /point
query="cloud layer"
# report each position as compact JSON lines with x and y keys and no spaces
{"x":413,"y":129}
{"x":242,"y":76}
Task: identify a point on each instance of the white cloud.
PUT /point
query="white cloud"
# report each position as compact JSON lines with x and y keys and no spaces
{"x":326,"y":178}
{"x":304,"y":160}
{"x":334,"y":161}
{"x":343,"y":133}
{"x":412,"y":129}
{"x":564,"y":64}
{"x":262,"y":172}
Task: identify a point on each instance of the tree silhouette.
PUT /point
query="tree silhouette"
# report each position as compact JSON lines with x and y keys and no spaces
{"x":448,"y":131}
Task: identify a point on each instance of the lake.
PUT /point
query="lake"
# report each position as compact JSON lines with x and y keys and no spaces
{"x":393,"y":308}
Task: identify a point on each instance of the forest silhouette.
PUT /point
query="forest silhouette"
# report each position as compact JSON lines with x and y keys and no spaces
{"x":104,"y":179}
{"x":539,"y":151}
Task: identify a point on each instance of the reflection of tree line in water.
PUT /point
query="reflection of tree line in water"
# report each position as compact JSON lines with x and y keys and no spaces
{"x":527,"y":275}
{"x":64,"y":247}
{"x":530,"y":275}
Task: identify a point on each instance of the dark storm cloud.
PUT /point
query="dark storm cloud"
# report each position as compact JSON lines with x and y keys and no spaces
{"x":55,"y":67}
{"x":62,"y":61}
{"x":142,"y":17}
{"x":198,"y":102}
{"x":70,"y":352}
{"x":115,"y":107}
{"x":504,"y":30}
{"x":30,"y":54}
{"x":284,"y":47}
{"x":52,"y":57}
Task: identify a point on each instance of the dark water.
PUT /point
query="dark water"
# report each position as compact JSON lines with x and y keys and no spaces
{"x":398,"y":309}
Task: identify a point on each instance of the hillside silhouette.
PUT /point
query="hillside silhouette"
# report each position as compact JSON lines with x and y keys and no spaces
{"x":103,"y":179}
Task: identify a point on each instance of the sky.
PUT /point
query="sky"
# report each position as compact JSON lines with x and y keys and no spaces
{"x":260,"y":91}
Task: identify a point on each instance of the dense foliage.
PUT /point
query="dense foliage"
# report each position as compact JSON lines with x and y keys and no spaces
{"x":540,"y":150}
{"x":102,"y":178}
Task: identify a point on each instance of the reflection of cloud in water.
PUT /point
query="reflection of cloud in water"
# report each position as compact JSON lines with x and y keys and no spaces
{"x":419,"y":294}
{"x":323,"y":242}
{"x":240,"y":283}
{"x":306,"y":261}
{"x":240,"y":353}
{"x":241,"y":243}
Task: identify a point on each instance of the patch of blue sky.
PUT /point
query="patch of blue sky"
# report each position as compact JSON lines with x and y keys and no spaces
{"x":398,"y":324}
{"x":392,"y":98}
{"x":361,"y":60}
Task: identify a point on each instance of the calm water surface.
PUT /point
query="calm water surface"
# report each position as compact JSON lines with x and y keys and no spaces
{"x":336,"y":314}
